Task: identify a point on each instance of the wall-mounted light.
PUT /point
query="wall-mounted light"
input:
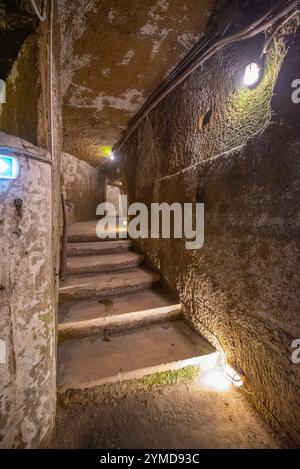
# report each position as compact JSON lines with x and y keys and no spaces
{"x":252,"y":75}
{"x":9,"y":167}
{"x":112,"y":156}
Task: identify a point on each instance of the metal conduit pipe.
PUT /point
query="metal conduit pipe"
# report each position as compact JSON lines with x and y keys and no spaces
{"x":196,"y":51}
{"x":192,"y":62}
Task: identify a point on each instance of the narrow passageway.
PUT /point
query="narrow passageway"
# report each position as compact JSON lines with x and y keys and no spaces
{"x":149,"y":224}
{"x":128,"y":360}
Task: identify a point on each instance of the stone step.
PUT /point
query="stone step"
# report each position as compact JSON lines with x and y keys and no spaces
{"x":103,"y":263}
{"x":81,"y":287}
{"x":117,"y":313}
{"x":94,"y":361}
{"x":99,"y":248}
{"x":86,"y":232}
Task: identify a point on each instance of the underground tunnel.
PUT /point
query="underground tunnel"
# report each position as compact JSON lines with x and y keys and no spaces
{"x":149,"y":226}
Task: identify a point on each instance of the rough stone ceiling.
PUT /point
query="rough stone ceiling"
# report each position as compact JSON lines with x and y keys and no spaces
{"x":114,"y":54}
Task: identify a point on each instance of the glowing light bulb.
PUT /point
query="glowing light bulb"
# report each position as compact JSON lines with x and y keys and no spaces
{"x":112,"y":156}
{"x":252,"y":74}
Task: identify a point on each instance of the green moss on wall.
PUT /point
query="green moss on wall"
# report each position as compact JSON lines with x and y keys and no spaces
{"x":250,"y":109}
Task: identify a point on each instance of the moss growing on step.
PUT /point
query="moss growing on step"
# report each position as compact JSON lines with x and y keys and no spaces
{"x":111,"y":392}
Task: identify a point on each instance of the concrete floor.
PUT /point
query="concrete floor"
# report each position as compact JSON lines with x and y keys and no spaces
{"x":186,"y":415}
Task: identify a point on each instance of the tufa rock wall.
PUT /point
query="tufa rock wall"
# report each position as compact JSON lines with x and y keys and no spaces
{"x":29,"y":249}
{"x":27,"y":303}
{"x":19,"y":115}
{"x":80,"y":183}
{"x":237,"y":151}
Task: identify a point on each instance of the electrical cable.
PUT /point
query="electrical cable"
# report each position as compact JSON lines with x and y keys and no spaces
{"x":277,"y":28}
{"x":151,"y":104}
{"x":247,"y":30}
{"x":202,"y":44}
{"x":190,"y":57}
{"x":41,"y":15}
{"x":192,"y":63}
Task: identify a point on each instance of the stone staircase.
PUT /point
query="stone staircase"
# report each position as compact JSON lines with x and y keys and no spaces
{"x":116,"y":321}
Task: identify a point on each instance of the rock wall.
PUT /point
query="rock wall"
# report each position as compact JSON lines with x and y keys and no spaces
{"x":27,"y":303}
{"x":236,"y":150}
{"x":81,"y":186}
{"x":29,"y":249}
{"x":113,"y":194}
{"x":19,"y":115}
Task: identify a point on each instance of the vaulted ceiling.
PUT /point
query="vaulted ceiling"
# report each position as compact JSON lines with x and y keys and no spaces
{"x":114,"y":54}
